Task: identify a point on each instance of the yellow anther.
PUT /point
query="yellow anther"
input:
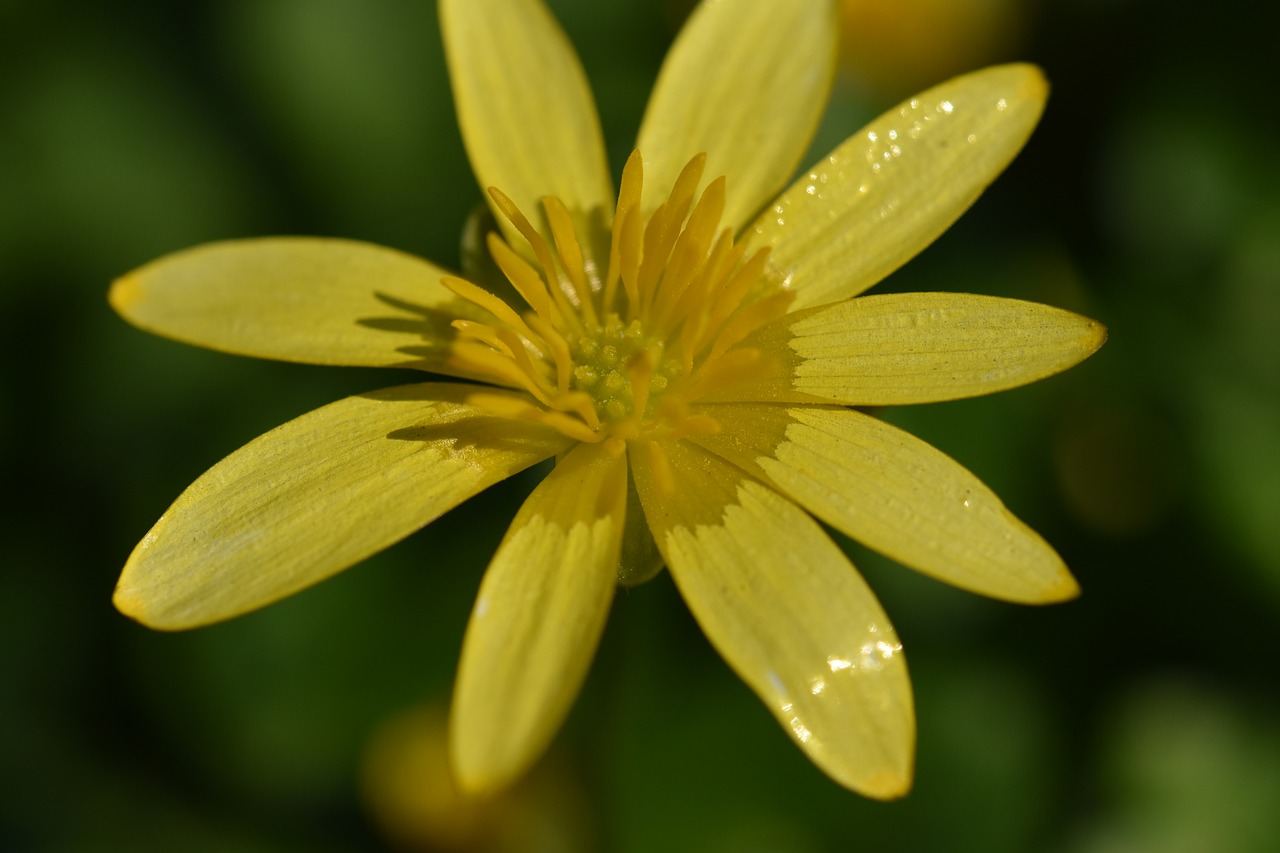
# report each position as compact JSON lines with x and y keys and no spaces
{"x":486,"y":300}
{"x":660,"y":468}
{"x":524,"y":278}
{"x":514,"y":407}
{"x":622,"y":359}
{"x":541,"y":251}
{"x":639,"y":369}
{"x":628,"y":199}
{"x":629,"y":229}
{"x":480,"y":360}
{"x":481,"y":332}
{"x":558,"y":348}
{"x":581,"y":404}
{"x":570,"y":252}
{"x":748,"y":318}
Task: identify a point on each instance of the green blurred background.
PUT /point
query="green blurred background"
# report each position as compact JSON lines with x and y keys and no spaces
{"x":1142,"y":717}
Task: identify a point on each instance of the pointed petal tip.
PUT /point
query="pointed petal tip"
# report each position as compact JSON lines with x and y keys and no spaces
{"x":1096,"y":337}
{"x":893,"y":777}
{"x":1058,"y":587}
{"x":135,"y":606}
{"x":1065,"y":589}
{"x":471,"y":783}
{"x":123,"y":294}
{"x":1034,"y":84}
{"x":887,"y":785}
{"x":128,"y":603}
{"x":1026,"y":80}
{"x":470,"y":776}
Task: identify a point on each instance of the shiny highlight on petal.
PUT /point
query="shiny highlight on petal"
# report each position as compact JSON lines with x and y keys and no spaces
{"x":788,"y":611}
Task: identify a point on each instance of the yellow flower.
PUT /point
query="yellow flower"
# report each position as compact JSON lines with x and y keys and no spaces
{"x":687,"y":359}
{"x":893,"y":47}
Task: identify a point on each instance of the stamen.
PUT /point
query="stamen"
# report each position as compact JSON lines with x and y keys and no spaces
{"x":720,"y":305}
{"x":515,"y":348}
{"x":623,"y":370}
{"x":690,"y":252}
{"x":515,"y":408}
{"x":580,"y":403}
{"x":486,"y":300}
{"x":482,"y":360}
{"x":628,"y":199}
{"x":664,"y":229}
{"x":541,"y":251}
{"x":481,"y":332}
{"x":559,"y":350}
{"x":748,"y":318}
{"x":695,"y":425}
{"x":630,"y":231}
{"x":639,"y":371}
{"x":570,"y":252}
{"x":738,"y":287}
{"x":718,"y":265}
{"x":524,"y":278}
{"x":660,"y":467}
{"x":733,"y":366}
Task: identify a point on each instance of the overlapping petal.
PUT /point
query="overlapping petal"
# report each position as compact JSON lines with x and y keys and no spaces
{"x":891,"y":189}
{"x":746,"y":82}
{"x":317,"y":495}
{"x":790,"y":614}
{"x":313,"y":300}
{"x":894,"y":493}
{"x":902,"y":348}
{"x":538,"y":619}
{"x":526,"y":111}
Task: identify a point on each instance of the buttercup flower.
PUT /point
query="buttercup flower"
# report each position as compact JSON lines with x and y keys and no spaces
{"x":687,"y":350}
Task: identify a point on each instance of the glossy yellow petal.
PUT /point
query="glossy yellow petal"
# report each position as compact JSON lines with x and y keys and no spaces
{"x":317,"y":495}
{"x":312,"y":300}
{"x":894,"y":493}
{"x":526,"y":112}
{"x":746,"y":82}
{"x":537,"y":619}
{"x":890,"y":190}
{"x":901,"y":348}
{"x":786,"y":609}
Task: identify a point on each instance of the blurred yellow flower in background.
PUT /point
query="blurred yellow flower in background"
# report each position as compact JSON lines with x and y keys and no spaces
{"x":409,"y":792}
{"x":686,"y":349}
{"x":895,"y":48}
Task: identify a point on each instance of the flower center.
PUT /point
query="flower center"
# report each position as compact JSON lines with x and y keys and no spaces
{"x":606,"y":363}
{"x":620,"y":357}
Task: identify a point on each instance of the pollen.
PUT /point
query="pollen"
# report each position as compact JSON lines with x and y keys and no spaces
{"x":619,"y":357}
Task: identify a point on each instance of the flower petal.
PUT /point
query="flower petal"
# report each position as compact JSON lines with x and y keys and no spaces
{"x":526,"y":111}
{"x":312,"y":300}
{"x":901,"y":348}
{"x":786,"y":609}
{"x":538,"y":619}
{"x":894,"y":493}
{"x":317,"y":495}
{"x":746,"y":83}
{"x":639,"y":560}
{"x":890,"y":190}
